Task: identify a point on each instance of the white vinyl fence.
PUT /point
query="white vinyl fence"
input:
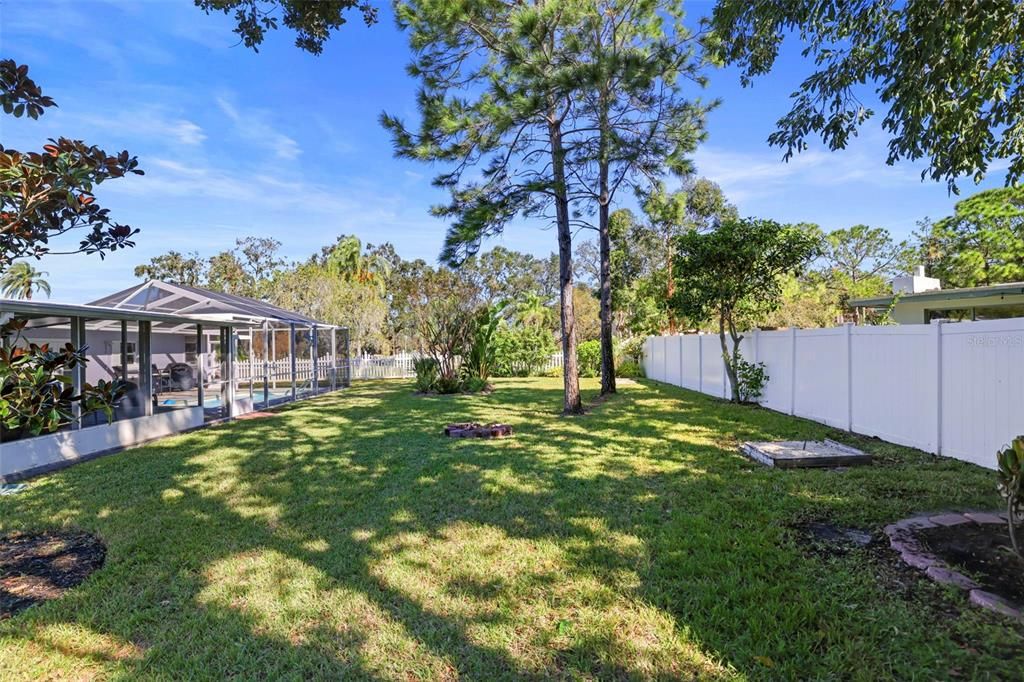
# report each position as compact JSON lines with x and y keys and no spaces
{"x":951,"y":389}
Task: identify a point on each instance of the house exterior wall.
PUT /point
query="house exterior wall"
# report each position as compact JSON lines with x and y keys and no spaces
{"x":910,"y":311}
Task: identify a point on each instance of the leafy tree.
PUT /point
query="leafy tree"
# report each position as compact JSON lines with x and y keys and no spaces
{"x":733,"y":273}
{"x":313,"y":22}
{"x":949,"y":73}
{"x":504,"y":274}
{"x":312,"y":289}
{"x":698,"y":205}
{"x":21,"y":280}
{"x":176,"y":268}
{"x":629,"y":61}
{"x":347,"y":260}
{"x":982,"y":243}
{"x":862,"y":252}
{"x":588,"y":314}
{"x":521,"y":350}
{"x":493,"y":103}
{"x":44,"y":195}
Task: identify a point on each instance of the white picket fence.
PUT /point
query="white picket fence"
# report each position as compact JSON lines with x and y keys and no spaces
{"x":383,"y":366}
{"x":951,"y":389}
{"x":401,"y":366}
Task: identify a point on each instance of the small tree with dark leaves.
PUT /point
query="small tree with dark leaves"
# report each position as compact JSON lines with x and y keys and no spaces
{"x":44,"y":195}
{"x":733,"y":273}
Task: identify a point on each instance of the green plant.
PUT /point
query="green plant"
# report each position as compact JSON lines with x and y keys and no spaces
{"x":633,"y":348}
{"x":1011,"y":480}
{"x":588,"y":356}
{"x":751,"y":378}
{"x":630,"y":369}
{"x":480,"y":360}
{"x":473,"y":384}
{"x":36,"y":393}
{"x":426,"y":374}
{"x":521,"y":350}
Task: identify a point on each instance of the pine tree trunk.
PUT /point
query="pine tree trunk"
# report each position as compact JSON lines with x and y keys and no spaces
{"x":572,"y":403}
{"x":605,"y":248}
{"x":671,"y":289}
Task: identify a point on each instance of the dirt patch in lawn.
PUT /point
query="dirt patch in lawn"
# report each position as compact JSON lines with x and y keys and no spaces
{"x":826,"y":539}
{"x":981,"y":551}
{"x":37,"y":567}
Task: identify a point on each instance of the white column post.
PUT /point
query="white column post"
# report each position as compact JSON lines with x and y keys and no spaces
{"x":145,"y":355}
{"x":291,"y":355}
{"x":792,"y":370}
{"x":334,"y":359}
{"x":314,"y":351}
{"x":124,"y":350}
{"x":200,"y":365}
{"x":267,"y":335}
{"x":78,"y":372}
{"x":700,"y":362}
{"x":848,"y":345}
{"x":936,"y":333}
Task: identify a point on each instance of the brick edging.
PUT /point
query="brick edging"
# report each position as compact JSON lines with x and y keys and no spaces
{"x":902,"y":539}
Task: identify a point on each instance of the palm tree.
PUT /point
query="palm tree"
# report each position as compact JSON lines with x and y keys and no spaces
{"x":21,"y":280}
{"x":348,"y":261}
{"x":532,"y":310}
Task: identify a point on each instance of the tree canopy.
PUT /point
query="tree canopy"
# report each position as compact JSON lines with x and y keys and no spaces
{"x":47,"y":194}
{"x":312,"y":22}
{"x":949,"y":73}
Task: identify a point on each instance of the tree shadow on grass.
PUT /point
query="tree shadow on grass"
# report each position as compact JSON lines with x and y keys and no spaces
{"x":346,"y":537}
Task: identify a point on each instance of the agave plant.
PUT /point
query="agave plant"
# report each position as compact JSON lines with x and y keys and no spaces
{"x":1011,"y":476}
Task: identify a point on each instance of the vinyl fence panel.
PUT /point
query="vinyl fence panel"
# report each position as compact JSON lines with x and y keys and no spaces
{"x":947,"y":388}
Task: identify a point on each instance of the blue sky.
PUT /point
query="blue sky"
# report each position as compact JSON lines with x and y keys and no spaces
{"x":286,"y":144}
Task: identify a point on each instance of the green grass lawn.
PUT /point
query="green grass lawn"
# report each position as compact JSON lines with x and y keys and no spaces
{"x":345,"y":537}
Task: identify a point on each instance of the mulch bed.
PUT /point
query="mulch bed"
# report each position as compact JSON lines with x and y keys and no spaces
{"x":36,"y":567}
{"x":981,"y":551}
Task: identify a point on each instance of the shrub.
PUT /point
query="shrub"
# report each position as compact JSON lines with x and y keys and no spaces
{"x":629,"y":369}
{"x":426,"y":374}
{"x":36,"y":393}
{"x":588,"y":358}
{"x":480,"y":359}
{"x":521,"y":351}
{"x":633,"y":348}
{"x":474,"y":384}
{"x":752,"y":378}
{"x":1011,"y":481}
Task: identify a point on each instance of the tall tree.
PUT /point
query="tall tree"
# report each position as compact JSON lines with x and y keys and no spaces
{"x":21,"y":280}
{"x":44,"y":195}
{"x":949,"y":73}
{"x":312,"y":22}
{"x":982,"y":243}
{"x":698,"y":205}
{"x":735,"y":273}
{"x":494,"y":101}
{"x":859,"y":258}
{"x":175,"y":267}
{"x":633,"y":122}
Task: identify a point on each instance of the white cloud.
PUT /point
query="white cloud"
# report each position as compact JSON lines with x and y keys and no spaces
{"x":751,"y":175}
{"x":253,"y":126}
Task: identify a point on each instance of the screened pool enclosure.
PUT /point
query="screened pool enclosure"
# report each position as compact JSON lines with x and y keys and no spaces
{"x":189,"y":356}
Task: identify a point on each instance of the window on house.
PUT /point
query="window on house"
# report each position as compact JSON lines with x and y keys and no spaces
{"x":129,"y":352}
{"x":191,"y":352}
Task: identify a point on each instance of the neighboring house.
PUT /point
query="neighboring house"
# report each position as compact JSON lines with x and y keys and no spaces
{"x":917,"y":299}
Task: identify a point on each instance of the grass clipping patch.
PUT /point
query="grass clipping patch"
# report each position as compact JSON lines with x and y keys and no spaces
{"x":36,"y":567}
